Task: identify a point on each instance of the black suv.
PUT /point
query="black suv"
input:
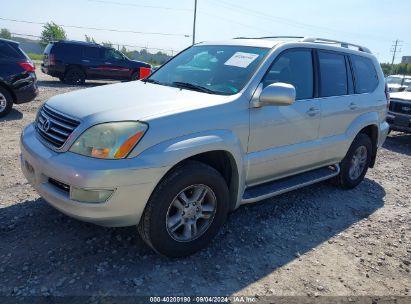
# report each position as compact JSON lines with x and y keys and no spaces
{"x":18,"y":82}
{"x":74,"y":61}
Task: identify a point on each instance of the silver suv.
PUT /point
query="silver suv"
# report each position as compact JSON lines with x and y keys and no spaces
{"x":220,"y":125}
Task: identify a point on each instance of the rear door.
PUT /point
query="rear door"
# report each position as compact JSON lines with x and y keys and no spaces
{"x":93,"y":62}
{"x":340,"y":105}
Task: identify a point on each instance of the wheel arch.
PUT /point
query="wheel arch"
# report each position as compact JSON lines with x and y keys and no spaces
{"x":220,"y":150}
{"x":9,"y":90}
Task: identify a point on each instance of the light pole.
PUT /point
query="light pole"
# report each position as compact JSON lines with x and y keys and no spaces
{"x":194,"y":23}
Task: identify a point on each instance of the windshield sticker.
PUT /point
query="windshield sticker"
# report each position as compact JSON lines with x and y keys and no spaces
{"x":241,"y":60}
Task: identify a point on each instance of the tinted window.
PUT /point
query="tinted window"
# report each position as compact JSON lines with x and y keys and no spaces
{"x":9,"y":51}
{"x":333,"y":74}
{"x":366,"y":78}
{"x":294,"y":67}
{"x":67,"y":51}
{"x":112,"y":54}
{"x":92,"y":52}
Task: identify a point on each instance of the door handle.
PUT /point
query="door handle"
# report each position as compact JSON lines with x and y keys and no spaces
{"x":107,"y":63}
{"x":313,"y":111}
{"x":353,"y":106}
{"x":85,"y":60}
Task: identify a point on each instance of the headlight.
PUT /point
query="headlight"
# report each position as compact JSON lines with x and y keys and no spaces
{"x":112,"y":140}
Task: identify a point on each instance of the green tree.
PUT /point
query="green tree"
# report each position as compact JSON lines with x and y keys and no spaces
{"x":5,"y":33}
{"x":89,"y":39}
{"x":52,"y":32}
{"x":126,"y":52}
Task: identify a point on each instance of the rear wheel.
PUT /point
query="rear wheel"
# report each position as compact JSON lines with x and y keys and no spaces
{"x":6,"y":102}
{"x":75,"y":76}
{"x":186,"y":210}
{"x":355,"y":164}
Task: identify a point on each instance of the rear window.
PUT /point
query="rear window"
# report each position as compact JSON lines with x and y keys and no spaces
{"x":366,"y":78}
{"x":333,"y":73}
{"x":8,"y":50}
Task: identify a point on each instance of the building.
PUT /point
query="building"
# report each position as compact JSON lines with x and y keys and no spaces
{"x":406,"y":59}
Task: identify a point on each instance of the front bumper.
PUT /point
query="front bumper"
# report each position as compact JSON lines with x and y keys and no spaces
{"x":132,"y":181}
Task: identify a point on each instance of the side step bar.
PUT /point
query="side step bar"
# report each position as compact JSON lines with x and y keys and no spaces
{"x":267,"y":190}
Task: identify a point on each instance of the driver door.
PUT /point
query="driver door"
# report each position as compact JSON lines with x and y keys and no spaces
{"x":115,"y":65}
{"x":284,"y":139}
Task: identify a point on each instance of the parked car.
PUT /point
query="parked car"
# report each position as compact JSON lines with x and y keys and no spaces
{"x":18,"y":82}
{"x":74,"y":61}
{"x":398,"y":83}
{"x":399,"y":114}
{"x":219,"y":125}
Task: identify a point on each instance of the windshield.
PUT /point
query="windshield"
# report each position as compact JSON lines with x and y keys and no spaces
{"x":394,"y":80}
{"x":211,"y":69}
{"x":408,"y":89}
{"x":407,"y":81}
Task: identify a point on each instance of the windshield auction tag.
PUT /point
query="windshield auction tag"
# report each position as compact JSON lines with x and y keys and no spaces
{"x":241,"y":60}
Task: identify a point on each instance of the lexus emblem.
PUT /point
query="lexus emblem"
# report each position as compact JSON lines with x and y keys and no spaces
{"x":46,"y":125}
{"x":406,"y":109}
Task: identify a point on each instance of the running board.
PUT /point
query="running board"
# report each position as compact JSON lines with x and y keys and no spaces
{"x":267,"y":190}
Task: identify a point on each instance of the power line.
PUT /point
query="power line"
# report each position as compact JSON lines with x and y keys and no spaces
{"x":98,"y":29}
{"x":141,"y":6}
{"x":278,"y":19}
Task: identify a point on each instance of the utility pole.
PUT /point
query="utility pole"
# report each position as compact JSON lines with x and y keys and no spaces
{"x":395,"y":49}
{"x":194,"y":23}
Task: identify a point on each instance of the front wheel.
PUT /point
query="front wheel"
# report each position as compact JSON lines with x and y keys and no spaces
{"x":185,"y":211}
{"x":135,"y":76}
{"x":355,"y":164}
{"x":75,"y":76}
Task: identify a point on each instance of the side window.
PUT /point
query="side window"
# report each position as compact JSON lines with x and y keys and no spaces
{"x":111,"y":54}
{"x":91,"y":52}
{"x":366,"y":78}
{"x":294,"y":67}
{"x":333,"y":74}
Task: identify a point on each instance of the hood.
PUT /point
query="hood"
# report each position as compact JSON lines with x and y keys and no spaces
{"x":133,"y":100}
{"x":401,"y":95}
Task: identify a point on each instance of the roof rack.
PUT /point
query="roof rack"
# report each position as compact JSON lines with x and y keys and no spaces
{"x":341,"y":43}
{"x":272,"y":37}
{"x":314,"y":40}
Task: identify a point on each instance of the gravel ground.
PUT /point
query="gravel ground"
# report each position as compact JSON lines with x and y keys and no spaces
{"x":315,"y":241}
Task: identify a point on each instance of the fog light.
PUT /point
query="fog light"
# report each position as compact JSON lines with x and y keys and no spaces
{"x":90,"y":196}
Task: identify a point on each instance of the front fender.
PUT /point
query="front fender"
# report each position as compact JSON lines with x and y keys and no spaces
{"x":173,"y":151}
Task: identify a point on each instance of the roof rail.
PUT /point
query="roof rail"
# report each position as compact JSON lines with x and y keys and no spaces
{"x":330,"y":41}
{"x":272,"y":37}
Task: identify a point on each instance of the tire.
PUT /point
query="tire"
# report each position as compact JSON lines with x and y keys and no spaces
{"x":349,"y":177}
{"x":61,"y":79}
{"x":6,"y":102}
{"x":75,"y":76}
{"x":135,"y":76}
{"x":167,"y":226}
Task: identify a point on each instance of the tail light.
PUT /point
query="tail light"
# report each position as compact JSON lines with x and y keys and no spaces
{"x":52,"y":59}
{"x":387,"y":96}
{"x":27,"y":66}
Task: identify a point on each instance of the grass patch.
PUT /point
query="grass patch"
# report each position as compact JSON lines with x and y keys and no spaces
{"x":34,"y":56}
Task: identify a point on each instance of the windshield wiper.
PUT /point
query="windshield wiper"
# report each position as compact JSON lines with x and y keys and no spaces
{"x":152,"y":81}
{"x":193,"y":87}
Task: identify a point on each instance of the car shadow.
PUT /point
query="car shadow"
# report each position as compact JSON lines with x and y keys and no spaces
{"x":398,"y":142}
{"x":44,"y":250}
{"x":59,"y":84}
{"x":13,"y":115}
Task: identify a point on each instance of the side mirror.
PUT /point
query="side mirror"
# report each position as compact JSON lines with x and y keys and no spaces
{"x":277,"y":94}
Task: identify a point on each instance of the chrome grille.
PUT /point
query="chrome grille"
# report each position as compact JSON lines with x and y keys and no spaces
{"x":400,"y":106}
{"x":54,"y":127}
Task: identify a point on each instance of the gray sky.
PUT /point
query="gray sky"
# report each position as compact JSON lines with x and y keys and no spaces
{"x":375,"y":24}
